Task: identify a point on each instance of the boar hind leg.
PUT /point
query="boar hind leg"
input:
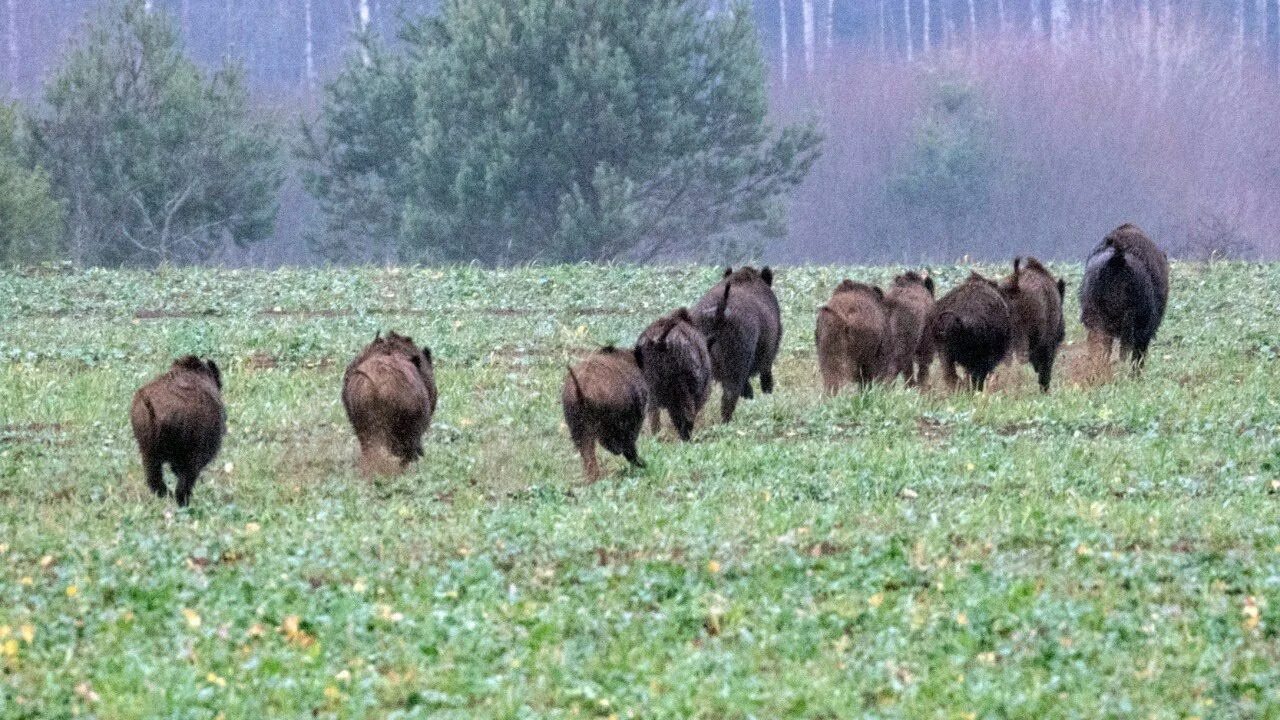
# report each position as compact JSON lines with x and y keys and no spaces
{"x":766,"y":381}
{"x":949,"y":377}
{"x":632,"y":455}
{"x":590,"y":465}
{"x":1042,"y":361}
{"x":155,"y":476}
{"x":186,"y":481}
{"x":655,"y":417}
{"x":728,"y":403}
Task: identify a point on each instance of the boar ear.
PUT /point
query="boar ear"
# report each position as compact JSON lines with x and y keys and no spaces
{"x":879,"y":292}
{"x":1062,"y":288}
{"x":767,"y":275}
{"x":727,"y":272}
{"x":212,"y":367}
{"x":426,"y":353}
{"x":928,"y":283}
{"x":377,"y":336}
{"x":635,"y":352}
{"x":683,"y":314}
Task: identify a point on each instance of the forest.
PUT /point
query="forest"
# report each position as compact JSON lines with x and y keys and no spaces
{"x":948,"y":126}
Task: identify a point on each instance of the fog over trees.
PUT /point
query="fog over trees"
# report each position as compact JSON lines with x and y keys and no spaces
{"x":952,"y":127}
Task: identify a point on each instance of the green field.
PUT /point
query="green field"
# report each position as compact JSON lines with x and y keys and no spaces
{"x":1106,"y":551}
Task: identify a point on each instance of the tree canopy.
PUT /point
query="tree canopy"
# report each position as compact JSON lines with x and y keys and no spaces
{"x":516,"y":130}
{"x":156,"y":162}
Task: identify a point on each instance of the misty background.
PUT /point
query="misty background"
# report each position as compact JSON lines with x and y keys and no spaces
{"x":984,"y":128}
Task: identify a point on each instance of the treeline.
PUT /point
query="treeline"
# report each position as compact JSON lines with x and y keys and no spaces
{"x":293,"y":46}
{"x":497,"y":131}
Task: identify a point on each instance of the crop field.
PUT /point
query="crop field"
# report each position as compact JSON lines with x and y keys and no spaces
{"x":1109,"y":550}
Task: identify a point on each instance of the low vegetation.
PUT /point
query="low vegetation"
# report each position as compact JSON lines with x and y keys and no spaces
{"x":1108,"y":550}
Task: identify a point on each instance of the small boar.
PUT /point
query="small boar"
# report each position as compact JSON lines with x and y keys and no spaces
{"x":742,"y":323}
{"x":971,"y":326}
{"x":389,"y":394}
{"x":1124,"y":295}
{"x":677,"y":366}
{"x":910,"y":300}
{"x":852,"y":336}
{"x":179,"y":419}
{"x":1035,"y":303}
{"x":604,"y":400}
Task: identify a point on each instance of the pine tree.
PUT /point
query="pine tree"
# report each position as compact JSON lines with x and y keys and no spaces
{"x":517,"y":130}
{"x":30,"y":219}
{"x":156,"y":163}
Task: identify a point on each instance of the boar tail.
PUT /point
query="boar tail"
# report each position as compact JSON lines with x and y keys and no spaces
{"x":577,"y":387}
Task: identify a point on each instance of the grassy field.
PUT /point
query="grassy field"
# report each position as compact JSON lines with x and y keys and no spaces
{"x":1106,"y":551}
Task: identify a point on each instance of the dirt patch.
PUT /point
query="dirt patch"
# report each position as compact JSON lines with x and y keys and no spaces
{"x":144,"y":314}
{"x":1018,"y":428}
{"x":261,"y":361}
{"x":931,"y":429}
{"x":34,"y":433}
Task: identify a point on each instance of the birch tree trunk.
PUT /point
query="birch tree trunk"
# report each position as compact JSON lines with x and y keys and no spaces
{"x":308,"y":52}
{"x":1273,"y":37}
{"x":782,"y":39}
{"x":926,"y":21}
{"x":363,"y":18}
{"x":810,"y":38}
{"x":831,"y":25}
{"x":973,"y":29}
{"x":906,"y":23}
{"x":11,"y":35}
{"x":1000,"y":21}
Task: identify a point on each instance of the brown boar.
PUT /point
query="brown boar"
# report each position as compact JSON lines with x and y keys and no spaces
{"x":677,"y":366}
{"x":389,"y":394}
{"x":1035,"y":304}
{"x":852,"y":336}
{"x":1124,"y":295}
{"x":179,"y":419}
{"x":604,"y":398}
{"x":971,"y":326}
{"x":910,"y":300}
{"x":742,"y":323}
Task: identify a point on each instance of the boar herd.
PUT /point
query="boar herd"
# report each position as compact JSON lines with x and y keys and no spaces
{"x":864,"y":335}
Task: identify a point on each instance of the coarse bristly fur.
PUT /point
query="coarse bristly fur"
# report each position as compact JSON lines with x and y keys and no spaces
{"x":742,"y":323}
{"x":389,"y":394}
{"x":971,"y":326}
{"x":1124,"y":295}
{"x":852,"y":336}
{"x":179,"y":419}
{"x":910,"y":300}
{"x":604,"y":399}
{"x":1035,"y":302}
{"x":677,"y":366}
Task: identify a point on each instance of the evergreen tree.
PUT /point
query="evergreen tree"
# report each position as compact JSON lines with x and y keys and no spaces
{"x":30,"y":219}
{"x":156,"y":163}
{"x":515,"y":130}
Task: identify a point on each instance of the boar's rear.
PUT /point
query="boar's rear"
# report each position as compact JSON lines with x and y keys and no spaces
{"x":1124,"y":294}
{"x":852,"y":337}
{"x":604,"y":399}
{"x":677,"y":367}
{"x":1035,"y":301}
{"x":179,"y":419}
{"x":389,"y":394}
{"x":971,"y":327}
{"x":742,"y":323}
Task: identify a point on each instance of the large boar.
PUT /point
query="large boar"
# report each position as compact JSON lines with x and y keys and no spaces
{"x":389,"y":394}
{"x":677,"y":366}
{"x":1124,"y":295}
{"x":910,"y":300}
{"x":971,"y":326}
{"x":852,"y":336}
{"x":604,"y":399}
{"x":1035,"y":303}
{"x":179,"y":419}
{"x":742,"y":323}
